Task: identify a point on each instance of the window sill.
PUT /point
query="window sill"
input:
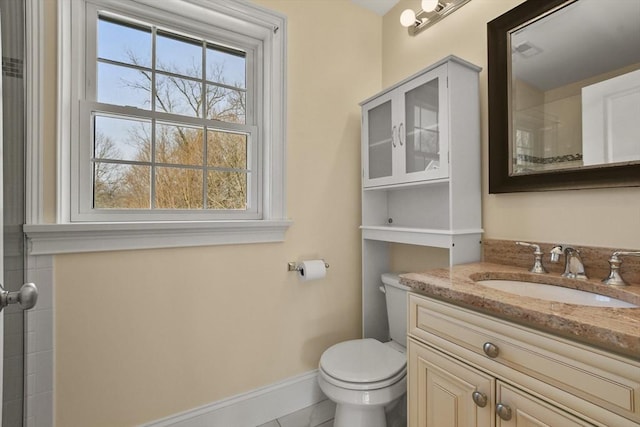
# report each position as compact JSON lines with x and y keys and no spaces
{"x":51,"y":239}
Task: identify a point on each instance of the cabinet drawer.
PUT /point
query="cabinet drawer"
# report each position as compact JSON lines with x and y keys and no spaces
{"x":603,"y":379}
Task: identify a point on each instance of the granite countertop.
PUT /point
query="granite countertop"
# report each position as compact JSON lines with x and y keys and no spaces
{"x":612,"y":329}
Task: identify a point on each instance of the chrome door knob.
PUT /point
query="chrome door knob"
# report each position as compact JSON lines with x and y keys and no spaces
{"x":490,"y":349}
{"x":27,"y":296}
{"x":503,"y":411}
{"x":479,"y":399}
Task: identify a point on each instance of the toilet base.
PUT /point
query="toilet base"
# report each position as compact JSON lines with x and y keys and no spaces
{"x":351,"y":415}
{"x":364,"y":405}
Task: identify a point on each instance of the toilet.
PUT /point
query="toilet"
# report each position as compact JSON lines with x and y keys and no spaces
{"x":367,"y":378}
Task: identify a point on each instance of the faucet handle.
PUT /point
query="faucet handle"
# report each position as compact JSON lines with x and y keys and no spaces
{"x":614,"y":278}
{"x":537,"y":262}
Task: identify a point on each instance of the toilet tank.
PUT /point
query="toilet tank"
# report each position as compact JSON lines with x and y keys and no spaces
{"x":396,"y":296}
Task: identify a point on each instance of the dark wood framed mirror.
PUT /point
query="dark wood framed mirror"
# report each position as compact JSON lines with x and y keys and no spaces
{"x":543,"y":61}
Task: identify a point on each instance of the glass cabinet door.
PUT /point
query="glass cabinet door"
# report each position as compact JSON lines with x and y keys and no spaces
{"x":423,"y":130}
{"x":422,"y":136}
{"x":379,"y":142}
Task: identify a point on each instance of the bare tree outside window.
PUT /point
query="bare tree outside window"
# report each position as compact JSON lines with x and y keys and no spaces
{"x":153,"y":163}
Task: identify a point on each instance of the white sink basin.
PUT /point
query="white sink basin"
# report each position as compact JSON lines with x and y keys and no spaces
{"x":555,"y":293}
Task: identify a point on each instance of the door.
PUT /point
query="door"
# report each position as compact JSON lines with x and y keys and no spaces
{"x":1,"y":222}
{"x":12,"y":129}
{"x":424,"y":129}
{"x":610,"y":125}
{"x":379,"y":141}
{"x":446,"y":393}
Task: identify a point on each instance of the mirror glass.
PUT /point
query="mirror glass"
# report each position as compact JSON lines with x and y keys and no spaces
{"x":574,"y":87}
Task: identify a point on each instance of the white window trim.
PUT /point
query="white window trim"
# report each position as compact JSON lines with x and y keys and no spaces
{"x":65,"y":236}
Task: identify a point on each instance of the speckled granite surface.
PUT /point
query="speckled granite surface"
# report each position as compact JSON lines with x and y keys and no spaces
{"x":613,"y":329}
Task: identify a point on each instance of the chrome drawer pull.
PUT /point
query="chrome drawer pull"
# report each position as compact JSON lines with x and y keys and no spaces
{"x":490,"y":349}
{"x":479,"y":399}
{"x":503,"y":411}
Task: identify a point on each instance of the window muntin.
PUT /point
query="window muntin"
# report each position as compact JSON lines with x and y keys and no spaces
{"x":160,"y":96}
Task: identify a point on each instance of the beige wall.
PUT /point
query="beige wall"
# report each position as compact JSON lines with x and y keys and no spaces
{"x":606,"y":217}
{"x":141,"y":335}
{"x":144,"y":334}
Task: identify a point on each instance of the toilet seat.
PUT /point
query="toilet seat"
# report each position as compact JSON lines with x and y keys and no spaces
{"x":364,"y":364}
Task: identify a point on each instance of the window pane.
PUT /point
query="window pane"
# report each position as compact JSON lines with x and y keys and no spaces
{"x":226,"y":67}
{"x":124,"y":86}
{"x":179,"y":145}
{"x":179,"y":55}
{"x":178,"y":188}
{"x":178,"y":96}
{"x":121,"y":186}
{"x":125,"y":43}
{"x":226,"y":105}
{"x":122,"y":139}
{"x":227,"y":150}
{"x":226,"y":190}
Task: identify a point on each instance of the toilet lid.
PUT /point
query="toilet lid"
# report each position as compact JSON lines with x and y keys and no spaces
{"x":362,"y":361}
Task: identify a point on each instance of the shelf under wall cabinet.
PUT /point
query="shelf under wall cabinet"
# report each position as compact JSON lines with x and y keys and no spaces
{"x":417,"y":236}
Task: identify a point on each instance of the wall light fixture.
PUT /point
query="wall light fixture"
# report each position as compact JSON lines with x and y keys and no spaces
{"x":432,"y":11}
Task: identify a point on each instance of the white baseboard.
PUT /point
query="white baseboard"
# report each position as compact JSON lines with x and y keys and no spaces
{"x":253,"y":408}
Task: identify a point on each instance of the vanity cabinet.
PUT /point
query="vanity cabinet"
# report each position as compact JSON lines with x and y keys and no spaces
{"x":468,"y":369}
{"x":421,"y":174}
{"x":452,"y":393}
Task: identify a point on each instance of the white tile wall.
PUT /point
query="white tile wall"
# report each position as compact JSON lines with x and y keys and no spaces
{"x":39,"y":345}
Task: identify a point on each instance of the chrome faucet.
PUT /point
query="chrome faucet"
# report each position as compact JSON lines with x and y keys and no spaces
{"x":573,"y":266}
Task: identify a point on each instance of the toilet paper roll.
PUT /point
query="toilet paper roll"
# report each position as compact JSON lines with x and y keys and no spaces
{"x":312,"y":270}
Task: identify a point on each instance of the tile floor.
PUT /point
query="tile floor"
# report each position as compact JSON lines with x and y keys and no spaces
{"x":318,"y":415}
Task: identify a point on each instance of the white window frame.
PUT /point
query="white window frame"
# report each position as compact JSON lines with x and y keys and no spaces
{"x":75,"y":231}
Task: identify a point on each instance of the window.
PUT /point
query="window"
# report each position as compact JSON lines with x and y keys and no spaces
{"x":171,"y":126}
{"x":168,"y":123}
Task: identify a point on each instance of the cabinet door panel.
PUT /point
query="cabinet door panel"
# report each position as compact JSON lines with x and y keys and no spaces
{"x":423,"y":130}
{"x":529,"y":411}
{"x":379,"y":141}
{"x":441,"y":391}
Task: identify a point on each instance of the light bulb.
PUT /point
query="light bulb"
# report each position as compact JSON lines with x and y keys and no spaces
{"x":407,"y":18}
{"x":429,"y":5}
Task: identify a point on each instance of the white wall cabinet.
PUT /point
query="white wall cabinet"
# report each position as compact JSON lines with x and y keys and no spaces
{"x":528,"y":378}
{"x":420,"y":174}
{"x":405,"y":132}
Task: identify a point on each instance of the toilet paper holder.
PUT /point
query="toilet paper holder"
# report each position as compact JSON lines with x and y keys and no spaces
{"x":294,"y":266}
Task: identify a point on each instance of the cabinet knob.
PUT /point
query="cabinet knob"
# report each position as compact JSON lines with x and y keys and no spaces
{"x":479,"y":399}
{"x":503,"y":411}
{"x":490,"y":349}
